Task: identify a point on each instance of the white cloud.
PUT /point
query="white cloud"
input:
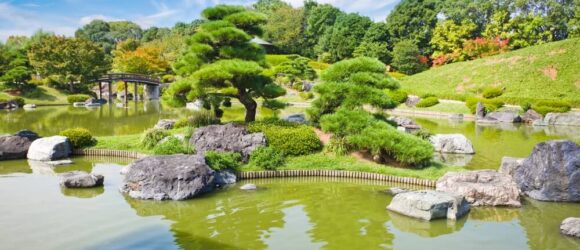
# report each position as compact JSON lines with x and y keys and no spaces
{"x":15,"y":20}
{"x":87,"y":19}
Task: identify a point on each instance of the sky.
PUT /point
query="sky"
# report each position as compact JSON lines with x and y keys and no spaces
{"x":63,"y":17}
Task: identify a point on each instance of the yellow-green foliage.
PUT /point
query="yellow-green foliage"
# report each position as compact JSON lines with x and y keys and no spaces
{"x":289,"y":138}
{"x":427,"y":102}
{"x":275,"y":60}
{"x":545,"y":107}
{"x":267,"y":158}
{"x":79,"y":137}
{"x":492,"y":92}
{"x":152,"y":137}
{"x":222,"y":160}
{"x":489,"y":104}
{"x":318,"y":65}
{"x":396,"y":75}
{"x":77,"y":98}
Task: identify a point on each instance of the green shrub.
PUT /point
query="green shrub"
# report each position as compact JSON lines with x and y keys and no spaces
{"x":221,"y":160}
{"x":182,"y":123}
{"x":306,"y":95}
{"x":267,"y":158}
{"x":152,"y":137}
{"x":79,"y":137}
{"x":19,"y":100}
{"x":172,"y":146}
{"x":489,"y":104}
{"x":551,"y":106}
{"x":526,"y":106}
{"x":492,"y":92}
{"x":427,"y":95}
{"x":77,"y":98}
{"x":398,"y":96}
{"x":427,"y":102}
{"x":288,"y":138}
{"x":337,"y":146}
{"x":203,"y":118}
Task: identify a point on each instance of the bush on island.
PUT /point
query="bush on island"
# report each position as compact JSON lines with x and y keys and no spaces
{"x":152,"y":137}
{"x":398,"y":96}
{"x":427,"y":102}
{"x":289,"y":138}
{"x":489,"y":104}
{"x":551,"y":106}
{"x":268,"y":158}
{"x":492,"y":92}
{"x":77,"y":98}
{"x":79,"y":137}
{"x":223,"y":160}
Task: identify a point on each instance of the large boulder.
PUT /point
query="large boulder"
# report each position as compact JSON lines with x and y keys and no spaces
{"x":452,"y":143}
{"x":509,"y":165}
{"x":165,"y":124}
{"x":479,"y":111}
{"x":224,"y":177}
{"x":80,"y":179}
{"x":297,"y":118}
{"x":566,"y":119}
{"x":50,"y":149}
{"x":571,"y":227}
{"x":531,"y":116}
{"x":507,"y":117}
{"x":412,"y":101}
{"x":16,"y":146}
{"x":227,"y":138}
{"x":551,"y":172}
{"x":429,"y":205}
{"x":482,"y":187}
{"x":174,"y":177}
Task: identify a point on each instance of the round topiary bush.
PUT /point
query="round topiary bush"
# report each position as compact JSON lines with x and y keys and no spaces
{"x":267,"y":158}
{"x":398,"y":96}
{"x":427,"y":102}
{"x":492,"y":92}
{"x":551,"y":106}
{"x":288,"y":138}
{"x":152,"y":137}
{"x":77,"y":98}
{"x":79,"y":137}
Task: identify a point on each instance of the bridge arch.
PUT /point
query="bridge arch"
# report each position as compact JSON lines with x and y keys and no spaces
{"x":152,"y":84}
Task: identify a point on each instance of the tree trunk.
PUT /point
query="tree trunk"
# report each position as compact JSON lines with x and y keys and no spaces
{"x":71,"y":87}
{"x":249,"y":104}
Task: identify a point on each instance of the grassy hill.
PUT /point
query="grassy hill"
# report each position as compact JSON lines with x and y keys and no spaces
{"x":41,"y":96}
{"x":548,"y":71}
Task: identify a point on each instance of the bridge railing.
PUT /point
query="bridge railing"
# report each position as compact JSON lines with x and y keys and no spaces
{"x":129,"y":77}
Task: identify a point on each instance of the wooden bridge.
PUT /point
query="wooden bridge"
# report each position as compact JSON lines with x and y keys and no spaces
{"x":152,"y":84}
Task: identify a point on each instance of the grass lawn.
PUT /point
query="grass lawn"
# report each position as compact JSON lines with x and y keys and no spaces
{"x":41,"y":96}
{"x":547,"y":71}
{"x":445,"y":107}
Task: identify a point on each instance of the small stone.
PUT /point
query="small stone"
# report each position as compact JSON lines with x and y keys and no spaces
{"x":452,"y":143}
{"x":165,"y":124}
{"x":412,"y":101}
{"x":224,"y":177}
{"x":297,"y":118}
{"x":249,"y":186}
{"x":29,"y":106}
{"x":80,"y":179}
{"x":571,"y":227}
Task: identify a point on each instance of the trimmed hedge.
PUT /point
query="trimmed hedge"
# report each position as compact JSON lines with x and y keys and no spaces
{"x":492,"y":92}
{"x":427,"y":102}
{"x":267,"y":158}
{"x":552,"y":106}
{"x":79,"y":137}
{"x":489,"y":104}
{"x":398,"y":96}
{"x":77,"y":98}
{"x":152,"y":137}
{"x":221,"y":160}
{"x":288,"y":138}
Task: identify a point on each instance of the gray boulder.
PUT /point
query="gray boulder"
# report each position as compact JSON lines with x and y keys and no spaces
{"x":452,"y":143}
{"x":16,"y":146}
{"x":455,"y":117}
{"x":396,"y":191}
{"x":506,"y":117}
{"x":551,"y":172}
{"x":482,"y":187}
{"x":227,"y":138}
{"x":429,"y":205}
{"x":49,"y":149}
{"x":224,"y":177}
{"x":509,"y":165}
{"x":174,"y":177}
{"x":80,"y":179}
{"x":249,"y":186}
{"x":412,"y":101}
{"x":565,"y":119}
{"x":165,"y":124}
{"x":479,"y":111}
{"x":297,"y":118}
{"x":531,"y":116}
{"x":571,"y":227}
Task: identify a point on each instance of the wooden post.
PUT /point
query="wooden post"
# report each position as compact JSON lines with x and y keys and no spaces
{"x":126,"y":94}
{"x":100,"y":90}
{"x":110,"y":92}
{"x":135,"y":94}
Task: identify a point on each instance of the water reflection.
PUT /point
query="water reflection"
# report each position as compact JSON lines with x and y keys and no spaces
{"x":424,"y":228}
{"x":83,"y":193}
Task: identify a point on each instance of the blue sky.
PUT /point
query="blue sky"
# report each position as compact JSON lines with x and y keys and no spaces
{"x":23,"y":17}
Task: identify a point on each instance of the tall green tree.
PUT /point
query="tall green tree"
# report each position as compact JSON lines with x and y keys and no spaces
{"x":221,"y":62}
{"x":155,"y":33}
{"x":74,"y":60}
{"x":449,"y":37}
{"x":406,"y":58}
{"x":319,"y":21}
{"x":346,"y":34}
{"x":97,"y":31}
{"x":123,"y":30}
{"x":269,"y":6}
{"x":375,"y":43}
{"x":15,"y":69}
{"x":285,"y":29}
{"x":414,"y":20}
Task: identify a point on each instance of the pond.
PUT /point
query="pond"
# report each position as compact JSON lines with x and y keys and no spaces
{"x":291,"y":213}
{"x":494,"y":141}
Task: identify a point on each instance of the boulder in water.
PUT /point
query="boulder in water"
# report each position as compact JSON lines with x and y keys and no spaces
{"x":565,"y":119}
{"x":174,"y":177}
{"x":505,"y":117}
{"x":249,"y":186}
{"x":482,"y":187}
{"x":509,"y":165}
{"x":531,"y":116}
{"x":571,"y":227}
{"x":80,"y":179}
{"x":16,"y":146}
{"x":224,"y":177}
{"x":49,"y":149}
{"x":452,"y":143}
{"x":429,"y":205}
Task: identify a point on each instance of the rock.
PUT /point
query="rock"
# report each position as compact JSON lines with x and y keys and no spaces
{"x":307,"y":86}
{"x":124,"y":170}
{"x":227,"y":138}
{"x":551,"y":172}
{"x":507,"y":117}
{"x":482,"y":187}
{"x":402,"y":121}
{"x":571,"y":227}
{"x":396,"y":191}
{"x":165,"y":124}
{"x":197,"y":105}
{"x":565,"y":119}
{"x":78,"y":104}
{"x":297,"y":118}
{"x":509,"y":165}
{"x":16,"y":146}
{"x":452,"y":143}
{"x":50,"y":148}
{"x":175,"y":177}
{"x":80,"y":179}
{"x":59,"y":163}
{"x":224,"y":177}
{"x":458,"y":160}
{"x":539,"y":123}
{"x":29,"y":106}
{"x":531,"y":116}
{"x":412,"y":100}
{"x":249,"y":186}
{"x":429,"y":205}
{"x":479,"y":111}
{"x":455,"y":117}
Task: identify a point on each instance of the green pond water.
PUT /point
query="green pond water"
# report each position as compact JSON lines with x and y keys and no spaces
{"x":291,"y":213}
